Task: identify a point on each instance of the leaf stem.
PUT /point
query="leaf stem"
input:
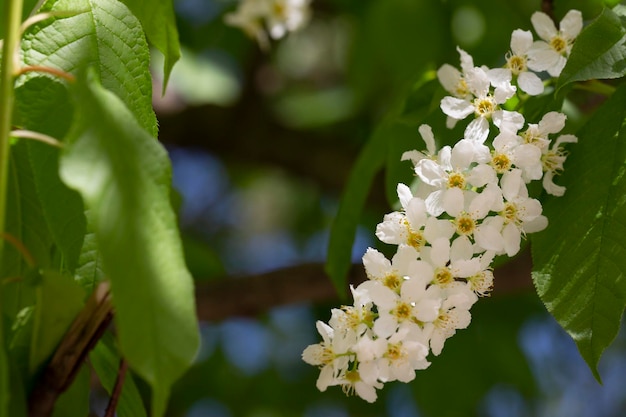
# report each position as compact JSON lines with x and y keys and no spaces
{"x":13,"y":18}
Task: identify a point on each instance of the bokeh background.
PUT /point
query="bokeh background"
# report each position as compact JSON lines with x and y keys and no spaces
{"x":262,"y":143}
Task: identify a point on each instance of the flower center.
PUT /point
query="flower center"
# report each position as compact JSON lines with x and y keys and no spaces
{"x":558,"y":44}
{"x":415,"y":238}
{"x":516,"y":64}
{"x":501,"y":163}
{"x":484,"y":107}
{"x":461,"y":88}
{"x":481,"y":283}
{"x":456,"y":179}
{"x":552,"y":160}
{"x":394,"y":351}
{"x":279,"y":10}
{"x":443,"y":277}
{"x":509,"y":213}
{"x":392,"y":281}
{"x":402,"y":311}
{"x":465,"y":225}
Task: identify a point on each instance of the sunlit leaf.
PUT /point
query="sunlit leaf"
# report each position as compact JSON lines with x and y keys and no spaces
{"x":580,"y":260}
{"x":124,"y":177}
{"x":159,"y":22}
{"x":599,"y":51}
{"x":102,"y":33}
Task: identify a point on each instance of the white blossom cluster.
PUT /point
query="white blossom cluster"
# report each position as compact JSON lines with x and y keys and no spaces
{"x":470,"y":205}
{"x":258,"y":18}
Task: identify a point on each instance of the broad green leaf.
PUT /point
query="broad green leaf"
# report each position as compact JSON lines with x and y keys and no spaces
{"x":26,"y":224}
{"x":599,"y":51}
{"x":106,"y":361}
{"x":103,"y":33}
{"x":159,"y":22}
{"x":580,"y":260}
{"x":59,"y":300}
{"x":89,"y":271}
{"x":369,"y":162}
{"x":75,"y":401}
{"x":61,"y":206}
{"x":124,"y":176}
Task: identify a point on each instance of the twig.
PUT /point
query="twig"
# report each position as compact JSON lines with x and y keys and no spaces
{"x":308,"y":283}
{"x":84,"y":333}
{"x":117,"y":389}
{"x":28,"y":257}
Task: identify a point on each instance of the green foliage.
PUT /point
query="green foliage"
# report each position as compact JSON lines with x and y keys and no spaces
{"x":75,"y":401}
{"x":580,"y":275}
{"x":106,"y":362}
{"x":127,"y":194}
{"x":599,"y":51}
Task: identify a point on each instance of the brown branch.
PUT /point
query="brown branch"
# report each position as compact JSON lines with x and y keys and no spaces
{"x":547,"y":6}
{"x":117,"y":389}
{"x":84,"y":333}
{"x":249,"y":296}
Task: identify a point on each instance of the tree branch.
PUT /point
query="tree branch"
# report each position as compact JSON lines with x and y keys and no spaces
{"x":84,"y":333}
{"x":249,"y":296}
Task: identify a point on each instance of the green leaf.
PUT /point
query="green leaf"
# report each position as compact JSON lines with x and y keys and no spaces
{"x":26,"y":224}
{"x":59,"y":300}
{"x":75,"y":401}
{"x":124,"y":176}
{"x":89,"y":271}
{"x":370,"y":161}
{"x":159,"y":22}
{"x":599,"y":51}
{"x":61,"y":206}
{"x":103,"y":33}
{"x":580,"y":275}
{"x":106,"y":361}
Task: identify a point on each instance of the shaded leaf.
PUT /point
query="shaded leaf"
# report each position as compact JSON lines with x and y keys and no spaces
{"x":75,"y":401}
{"x":59,"y":300}
{"x":103,"y":33}
{"x":124,"y":176}
{"x":106,"y":361}
{"x":599,"y":51}
{"x":89,"y":271}
{"x":580,"y":275}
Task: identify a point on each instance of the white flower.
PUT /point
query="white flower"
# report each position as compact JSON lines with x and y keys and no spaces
{"x":447,"y":262}
{"x":354,"y":381}
{"x":415,"y":301}
{"x":553,"y":160}
{"x":537,"y":134}
{"x":429,"y":139}
{"x":453,"y":315}
{"x":453,"y":80}
{"x":286,"y":16}
{"x":330,"y":354}
{"x":277,"y":17}
{"x":390,"y":274}
{"x":518,"y":210}
{"x":454,"y":175}
{"x":516,"y":63}
{"x":485,"y":103}
{"x":511,"y":151}
{"x":550,"y":54}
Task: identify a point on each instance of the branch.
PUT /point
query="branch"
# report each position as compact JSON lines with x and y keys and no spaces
{"x":84,"y":333}
{"x":117,"y":389}
{"x":249,"y":296}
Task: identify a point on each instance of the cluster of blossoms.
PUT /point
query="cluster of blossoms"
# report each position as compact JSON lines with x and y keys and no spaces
{"x":471,"y":203}
{"x":258,"y":18}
